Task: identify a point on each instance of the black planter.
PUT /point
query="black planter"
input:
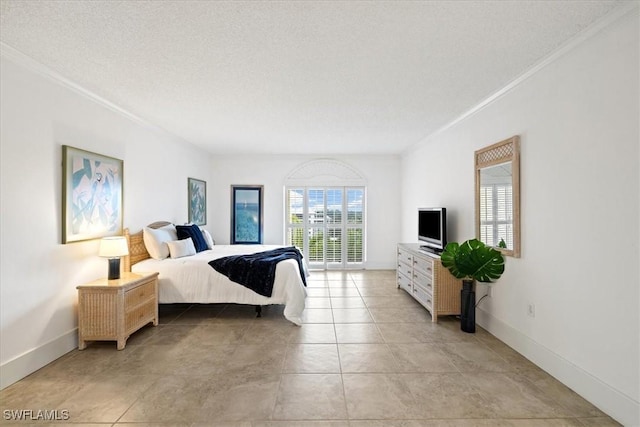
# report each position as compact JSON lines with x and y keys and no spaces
{"x":468,"y":307}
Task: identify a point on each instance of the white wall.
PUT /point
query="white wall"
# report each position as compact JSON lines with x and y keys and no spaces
{"x":38,"y":274}
{"x":578,"y":118}
{"x":382,"y":174}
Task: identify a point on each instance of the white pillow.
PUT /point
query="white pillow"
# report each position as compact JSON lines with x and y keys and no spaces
{"x":180,"y":248}
{"x":155,"y":240}
{"x":208,"y":238}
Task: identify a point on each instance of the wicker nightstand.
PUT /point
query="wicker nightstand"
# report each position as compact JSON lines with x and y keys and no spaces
{"x":111,"y":310}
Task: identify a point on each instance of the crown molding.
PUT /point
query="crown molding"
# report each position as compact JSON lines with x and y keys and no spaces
{"x":626,"y":8}
{"x":31,"y":64}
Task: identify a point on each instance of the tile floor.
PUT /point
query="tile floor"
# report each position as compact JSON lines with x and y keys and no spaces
{"x":367,"y":355}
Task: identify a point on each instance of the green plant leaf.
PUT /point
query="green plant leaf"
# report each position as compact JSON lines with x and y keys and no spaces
{"x":474,"y":260}
{"x":448,"y":259}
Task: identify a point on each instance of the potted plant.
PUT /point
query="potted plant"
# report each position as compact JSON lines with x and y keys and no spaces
{"x":470,"y":261}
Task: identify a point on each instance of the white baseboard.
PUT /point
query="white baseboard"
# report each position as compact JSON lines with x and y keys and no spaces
{"x":616,"y":404}
{"x":34,"y":359}
{"x":380,"y":266}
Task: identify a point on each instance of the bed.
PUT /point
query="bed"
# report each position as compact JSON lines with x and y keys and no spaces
{"x":191,"y":279}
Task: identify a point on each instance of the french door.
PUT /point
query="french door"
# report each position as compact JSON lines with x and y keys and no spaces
{"x":327,"y":224}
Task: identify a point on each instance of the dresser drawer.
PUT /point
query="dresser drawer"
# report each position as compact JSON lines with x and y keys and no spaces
{"x":139,"y":295}
{"x":404,"y":282}
{"x":424,"y":298}
{"x":424,"y":281}
{"x":425,"y":265}
{"x":404,"y":257}
{"x":404,"y":270}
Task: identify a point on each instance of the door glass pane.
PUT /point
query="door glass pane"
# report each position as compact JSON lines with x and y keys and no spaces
{"x":316,"y":245}
{"x":295,"y":206}
{"x":316,"y":206}
{"x":354,"y":245}
{"x":355,"y":198}
{"x":295,"y":237}
{"x":334,"y":245}
{"x":334,"y":206}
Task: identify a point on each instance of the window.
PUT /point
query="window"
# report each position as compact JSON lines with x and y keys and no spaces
{"x":327,"y":225}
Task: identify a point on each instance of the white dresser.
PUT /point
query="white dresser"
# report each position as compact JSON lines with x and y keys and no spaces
{"x":422,"y":275}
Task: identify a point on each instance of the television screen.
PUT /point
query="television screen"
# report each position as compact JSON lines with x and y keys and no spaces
{"x":432,"y":227}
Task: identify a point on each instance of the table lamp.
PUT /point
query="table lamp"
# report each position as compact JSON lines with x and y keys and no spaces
{"x":113,"y":248}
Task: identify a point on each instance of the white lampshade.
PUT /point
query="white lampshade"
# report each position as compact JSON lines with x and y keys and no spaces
{"x":112,"y":247}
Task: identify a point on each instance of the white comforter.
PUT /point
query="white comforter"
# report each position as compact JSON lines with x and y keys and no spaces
{"x":192,"y":280}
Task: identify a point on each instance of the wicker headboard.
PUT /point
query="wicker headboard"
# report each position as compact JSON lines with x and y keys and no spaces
{"x":137,"y":250}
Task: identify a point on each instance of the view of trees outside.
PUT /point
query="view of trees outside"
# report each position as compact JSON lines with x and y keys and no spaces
{"x":326,"y":223}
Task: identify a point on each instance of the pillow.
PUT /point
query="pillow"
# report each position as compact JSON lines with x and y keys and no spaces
{"x":155,"y":240}
{"x":208,"y":238}
{"x":193,"y":231}
{"x":180,"y":248}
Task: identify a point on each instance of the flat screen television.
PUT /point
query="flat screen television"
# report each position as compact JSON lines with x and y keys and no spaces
{"x":432,"y":228}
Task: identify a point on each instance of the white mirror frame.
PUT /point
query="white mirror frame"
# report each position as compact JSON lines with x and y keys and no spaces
{"x":507,"y":151}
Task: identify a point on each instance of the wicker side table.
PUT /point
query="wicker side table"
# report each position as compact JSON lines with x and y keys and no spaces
{"x":111,"y":310}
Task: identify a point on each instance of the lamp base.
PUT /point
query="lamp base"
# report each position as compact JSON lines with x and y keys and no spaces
{"x":114,"y":268}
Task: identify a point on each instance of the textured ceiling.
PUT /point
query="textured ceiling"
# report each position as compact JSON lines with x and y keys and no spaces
{"x":321,"y":77}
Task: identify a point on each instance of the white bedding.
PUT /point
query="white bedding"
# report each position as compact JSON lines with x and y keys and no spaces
{"x":192,"y":280}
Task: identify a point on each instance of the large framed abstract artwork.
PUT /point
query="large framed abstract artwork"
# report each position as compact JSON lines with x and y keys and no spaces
{"x":91,"y":195}
{"x":246,"y":214}
{"x":197,"y":201}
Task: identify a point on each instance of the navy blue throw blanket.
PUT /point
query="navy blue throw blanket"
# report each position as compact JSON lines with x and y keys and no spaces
{"x":257,"y":271}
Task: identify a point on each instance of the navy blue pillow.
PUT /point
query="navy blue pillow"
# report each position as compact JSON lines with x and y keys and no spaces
{"x":193,"y":231}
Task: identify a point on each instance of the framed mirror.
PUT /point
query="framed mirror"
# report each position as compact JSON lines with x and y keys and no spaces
{"x":498,"y":196}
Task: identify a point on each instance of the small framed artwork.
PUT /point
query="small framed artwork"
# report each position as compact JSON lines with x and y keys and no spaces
{"x":246,"y":214}
{"x":91,"y":195}
{"x":197,"y":201}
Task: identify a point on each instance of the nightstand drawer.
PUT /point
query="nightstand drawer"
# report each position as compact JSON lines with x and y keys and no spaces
{"x":140,"y":316}
{"x":139,"y":295}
